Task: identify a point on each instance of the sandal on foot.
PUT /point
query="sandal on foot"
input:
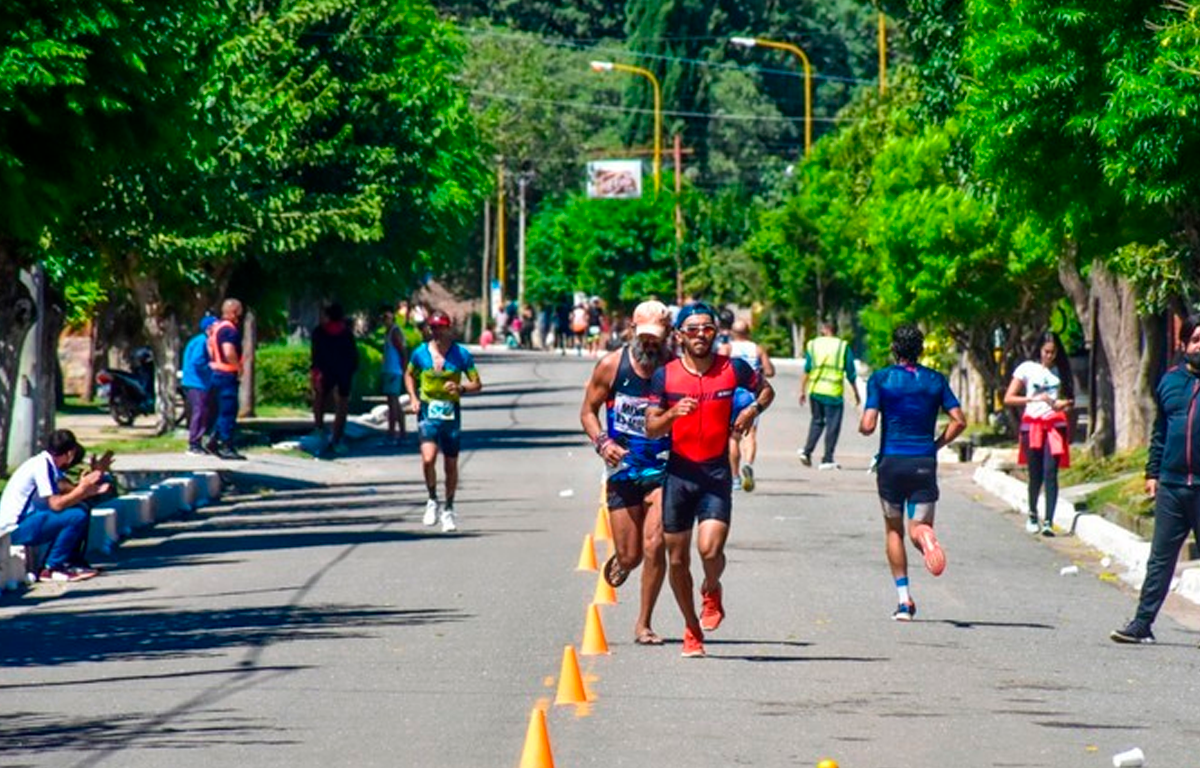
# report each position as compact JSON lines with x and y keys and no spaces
{"x":648,"y":637}
{"x":613,"y":573}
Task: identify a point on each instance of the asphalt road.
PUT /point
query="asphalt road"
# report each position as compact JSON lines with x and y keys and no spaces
{"x":318,"y":623}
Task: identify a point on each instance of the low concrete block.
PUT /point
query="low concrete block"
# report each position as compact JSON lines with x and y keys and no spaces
{"x":12,"y":564}
{"x":168,"y":501}
{"x":210,"y":488}
{"x":102,"y":530}
{"x":134,"y":510}
{"x":189,"y":488}
{"x":1189,"y":584}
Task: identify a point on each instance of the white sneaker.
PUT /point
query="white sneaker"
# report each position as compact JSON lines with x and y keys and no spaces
{"x":448,"y":523}
{"x":431,"y":512}
{"x":829,"y":465}
{"x":1031,"y":525}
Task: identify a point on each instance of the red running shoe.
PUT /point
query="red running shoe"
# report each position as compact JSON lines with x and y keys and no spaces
{"x":935,"y":557}
{"x":693,"y":647}
{"x":712,"y":613}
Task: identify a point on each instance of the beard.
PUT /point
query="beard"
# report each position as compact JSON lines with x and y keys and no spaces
{"x":1193,"y":360}
{"x":647,"y":357}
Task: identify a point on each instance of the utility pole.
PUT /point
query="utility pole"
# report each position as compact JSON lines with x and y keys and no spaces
{"x":500,"y":233}
{"x":522,"y":182}
{"x":484,"y":308}
{"x":678,"y":221}
{"x":882,"y":54}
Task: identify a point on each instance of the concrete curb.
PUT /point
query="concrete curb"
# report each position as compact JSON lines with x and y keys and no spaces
{"x":1127,"y":549}
{"x":118,"y":518}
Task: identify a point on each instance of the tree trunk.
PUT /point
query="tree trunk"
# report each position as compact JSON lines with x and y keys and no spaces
{"x":50,"y":318}
{"x":1100,"y":422}
{"x":17,"y":314}
{"x":1126,"y":348}
{"x":162,"y":329}
{"x":246,"y":394}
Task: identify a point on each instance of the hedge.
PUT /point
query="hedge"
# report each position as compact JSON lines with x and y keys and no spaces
{"x":283,"y":375}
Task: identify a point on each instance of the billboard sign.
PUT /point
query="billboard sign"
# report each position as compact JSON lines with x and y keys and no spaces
{"x":614,"y":179}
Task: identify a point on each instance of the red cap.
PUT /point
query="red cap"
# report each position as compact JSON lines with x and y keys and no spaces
{"x":438,"y":318}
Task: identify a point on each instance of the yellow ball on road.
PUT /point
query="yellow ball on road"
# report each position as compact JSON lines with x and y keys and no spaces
{"x":827,"y":763}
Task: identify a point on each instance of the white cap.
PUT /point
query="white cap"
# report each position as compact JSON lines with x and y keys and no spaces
{"x":651,"y":318}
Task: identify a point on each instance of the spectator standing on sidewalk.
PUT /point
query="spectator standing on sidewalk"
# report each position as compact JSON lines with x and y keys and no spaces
{"x":46,"y":508}
{"x":197,"y":387}
{"x":225,"y":361}
{"x":438,"y":373}
{"x":334,"y":361}
{"x":395,"y":357}
{"x":1172,"y":480}
{"x":827,"y":361}
{"x":1044,"y":387}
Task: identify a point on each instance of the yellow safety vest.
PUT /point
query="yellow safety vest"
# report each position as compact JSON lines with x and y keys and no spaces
{"x":828,"y":354}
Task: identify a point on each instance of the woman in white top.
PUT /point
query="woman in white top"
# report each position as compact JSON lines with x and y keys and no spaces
{"x":1046,"y":390}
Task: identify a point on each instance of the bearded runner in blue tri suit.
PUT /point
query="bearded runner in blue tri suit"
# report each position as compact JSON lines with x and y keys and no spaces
{"x":909,"y":398}
{"x":635,"y":463}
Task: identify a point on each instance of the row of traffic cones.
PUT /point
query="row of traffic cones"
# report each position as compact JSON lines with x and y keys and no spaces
{"x":571,"y":689}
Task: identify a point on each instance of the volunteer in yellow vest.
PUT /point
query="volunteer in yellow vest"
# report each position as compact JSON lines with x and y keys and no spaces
{"x":225,"y":361}
{"x":828,"y":362}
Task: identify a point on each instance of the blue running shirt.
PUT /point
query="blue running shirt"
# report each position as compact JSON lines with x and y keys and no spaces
{"x":626,"y":412}
{"x":909,"y":399}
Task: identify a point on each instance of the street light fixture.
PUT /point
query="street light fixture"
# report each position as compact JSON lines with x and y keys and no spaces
{"x":754,"y":42}
{"x":609,"y":66}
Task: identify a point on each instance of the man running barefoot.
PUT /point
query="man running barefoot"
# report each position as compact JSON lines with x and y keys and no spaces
{"x":694,"y":400}
{"x":909,"y":397}
{"x":635,"y":462}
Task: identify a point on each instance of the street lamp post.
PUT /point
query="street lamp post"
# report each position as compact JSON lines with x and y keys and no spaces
{"x":753,"y":42}
{"x":608,"y":66}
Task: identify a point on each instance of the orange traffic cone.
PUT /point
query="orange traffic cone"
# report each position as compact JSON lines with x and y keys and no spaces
{"x":594,"y":643}
{"x":587,"y":555}
{"x":603,"y":529}
{"x":537,"y":743}
{"x":605,"y":594}
{"x":570,"y":681}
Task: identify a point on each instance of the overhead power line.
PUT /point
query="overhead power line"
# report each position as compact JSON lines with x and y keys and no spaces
{"x":568,"y":43}
{"x":585,"y":106}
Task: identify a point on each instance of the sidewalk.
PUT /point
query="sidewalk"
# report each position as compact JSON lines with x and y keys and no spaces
{"x":1126,"y":552}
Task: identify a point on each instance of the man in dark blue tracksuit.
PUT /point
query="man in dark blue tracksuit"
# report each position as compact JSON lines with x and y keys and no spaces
{"x":1173,"y":479}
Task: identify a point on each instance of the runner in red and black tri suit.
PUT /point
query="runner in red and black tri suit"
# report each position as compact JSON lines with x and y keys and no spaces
{"x":694,"y":405}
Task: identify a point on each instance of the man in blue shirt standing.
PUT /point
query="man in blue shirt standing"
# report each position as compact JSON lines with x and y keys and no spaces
{"x":197,"y":385}
{"x":909,"y":397}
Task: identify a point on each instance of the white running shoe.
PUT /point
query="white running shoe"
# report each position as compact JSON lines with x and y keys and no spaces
{"x":431,"y":512}
{"x":448,"y":522}
{"x":1031,"y":525}
{"x":827,"y":465}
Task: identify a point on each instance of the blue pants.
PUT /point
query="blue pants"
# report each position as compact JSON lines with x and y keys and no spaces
{"x":226,"y":387}
{"x":62,"y":530}
{"x":1176,"y":514}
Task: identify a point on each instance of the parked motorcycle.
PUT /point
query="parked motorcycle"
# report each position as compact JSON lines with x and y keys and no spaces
{"x":132,"y":393}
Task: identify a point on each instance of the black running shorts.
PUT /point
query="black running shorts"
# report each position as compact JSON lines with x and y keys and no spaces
{"x":696,"y":492}
{"x":907,"y":479}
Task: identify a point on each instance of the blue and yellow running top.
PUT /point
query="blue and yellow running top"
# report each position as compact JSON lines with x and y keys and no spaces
{"x":626,"y":411}
{"x":431,"y":383}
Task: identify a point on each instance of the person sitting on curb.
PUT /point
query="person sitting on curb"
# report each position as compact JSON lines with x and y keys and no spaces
{"x":45,"y":508}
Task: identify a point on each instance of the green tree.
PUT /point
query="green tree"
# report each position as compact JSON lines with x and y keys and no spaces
{"x":329,"y":150}
{"x":85,"y":86}
{"x":620,"y":250}
{"x":1042,"y":82}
